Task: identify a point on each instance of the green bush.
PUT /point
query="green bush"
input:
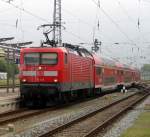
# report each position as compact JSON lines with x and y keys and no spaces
{"x":10,"y":68}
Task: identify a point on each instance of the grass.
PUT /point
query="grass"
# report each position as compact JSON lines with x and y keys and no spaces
{"x":4,"y":82}
{"x":141,"y":127}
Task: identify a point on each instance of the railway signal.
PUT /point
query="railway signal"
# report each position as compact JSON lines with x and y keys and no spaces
{"x":97,"y":45}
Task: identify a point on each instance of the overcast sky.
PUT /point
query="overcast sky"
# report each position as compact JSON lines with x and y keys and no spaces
{"x":118,"y":21}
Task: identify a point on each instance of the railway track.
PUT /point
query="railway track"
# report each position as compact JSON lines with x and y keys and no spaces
{"x":93,"y":122}
{"x":12,"y":116}
{"x":19,"y":114}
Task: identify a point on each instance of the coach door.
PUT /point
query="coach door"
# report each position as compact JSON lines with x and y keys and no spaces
{"x":98,"y":76}
{"x":120,"y":76}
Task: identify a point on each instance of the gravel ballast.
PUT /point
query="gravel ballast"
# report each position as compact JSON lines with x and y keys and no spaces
{"x":44,"y":127}
{"x":126,"y":122}
{"x":37,"y":125}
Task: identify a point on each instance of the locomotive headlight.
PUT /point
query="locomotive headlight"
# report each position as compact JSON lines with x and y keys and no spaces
{"x":55,"y":80}
{"x":24,"y":80}
{"x":40,"y":68}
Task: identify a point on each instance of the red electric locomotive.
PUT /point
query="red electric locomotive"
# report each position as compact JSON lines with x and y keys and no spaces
{"x":60,"y":73}
{"x":55,"y":73}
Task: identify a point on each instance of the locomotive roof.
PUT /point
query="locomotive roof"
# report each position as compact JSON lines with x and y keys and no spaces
{"x":45,"y":49}
{"x":65,"y":48}
{"x":99,"y":60}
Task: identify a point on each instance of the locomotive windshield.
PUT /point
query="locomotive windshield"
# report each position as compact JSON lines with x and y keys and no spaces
{"x":32,"y":58}
{"x":49,"y":58}
{"x":40,"y":59}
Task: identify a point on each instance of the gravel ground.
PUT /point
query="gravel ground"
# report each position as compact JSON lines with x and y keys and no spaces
{"x":126,"y":122}
{"x":45,"y":122}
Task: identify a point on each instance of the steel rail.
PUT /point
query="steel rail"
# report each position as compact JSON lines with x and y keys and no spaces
{"x":8,"y":113}
{"x":109,"y":121}
{"x":16,"y":115}
{"x":66,"y":125}
{"x":20,"y":115}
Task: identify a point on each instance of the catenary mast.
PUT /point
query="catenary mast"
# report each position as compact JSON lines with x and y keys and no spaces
{"x":57,"y":22}
{"x":55,"y":28}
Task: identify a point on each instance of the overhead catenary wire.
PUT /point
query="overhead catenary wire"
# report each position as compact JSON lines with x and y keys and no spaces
{"x":38,"y":17}
{"x":73,"y":15}
{"x":21,"y":28}
{"x":82,"y":21}
{"x":135,"y":23}
{"x":96,"y":25}
{"x":90,"y":25}
{"x":26,"y":11}
{"x":45,"y":20}
{"x":86,"y":23}
{"x":76,"y":36}
{"x":111,"y":19}
{"x":126,"y":12}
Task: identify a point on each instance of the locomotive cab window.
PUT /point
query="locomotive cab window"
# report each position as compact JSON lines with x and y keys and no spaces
{"x":40,"y":59}
{"x":48,"y":58}
{"x":31,"y":58}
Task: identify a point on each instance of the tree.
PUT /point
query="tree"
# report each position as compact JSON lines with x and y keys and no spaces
{"x":146,"y":67}
{"x":9,"y":69}
{"x":3,"y":65}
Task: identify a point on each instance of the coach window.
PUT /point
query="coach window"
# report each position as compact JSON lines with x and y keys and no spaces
{"x":118,"y":72}
{"x":122,"y":72}
{"x":66,"y":60}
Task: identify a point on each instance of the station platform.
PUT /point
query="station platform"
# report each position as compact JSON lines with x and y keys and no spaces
{"x":9,"y":101}
{"x":5,"y":95}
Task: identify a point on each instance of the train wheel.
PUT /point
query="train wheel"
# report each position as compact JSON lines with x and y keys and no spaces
{"x":60,"y":98}
{"x":22,"y":103}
